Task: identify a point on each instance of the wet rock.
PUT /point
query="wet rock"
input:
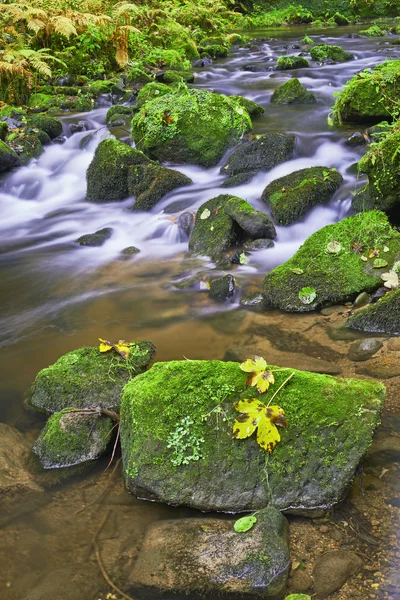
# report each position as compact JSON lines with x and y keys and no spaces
{"x":301,"y":581}
{"x":254,"y":564}
{"x":356,"y":139}
{"x":335,"y":278}
{"x":376,"y":132}
{"x":381,"y":317}
{"x":361,"y":300}
{"x":292,"y":196}
{"x":260,"y":244}
{"x":252,"y":108}
{"x":260,"y":154}
{"x":383,"y":367}
{"x":96,"y":239}
{"x":333,"y":569}
{"x":130,"y":251}
{"x":225,"y":221}
{"x":50,"y":125}
{"x":225,"y":474}
{"x":72,"y":438}
{"x":189,"y":126}
{"x":18,"y":490}
{"x":394,"y":345}
{"x":186,"y":222}
{"x":27,"y":146}
{"x":254,"y":301}
{"x":118,"y":171}
{"x":81,"y":378}
{"x":378,"y":294}
{"x":118,"y":110}
{"x":324,"y":52}
{"x":8,"y":157}
{"x":360,"y":351}
{"x":384,"y":450}
{"x":172,"y":76}
{"x":69,"y":583}
{"x":78,"y":127}
{"x":285,"y":63}
{"x":202,"y":62}
{"x":292,"y":92}
{"x":223,"y":287}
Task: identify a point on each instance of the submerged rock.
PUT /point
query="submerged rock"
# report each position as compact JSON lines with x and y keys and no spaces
{"x":189,"y":126}
{"x":333,"y":569}
{"x":96,"y":239}
{"x":177,"y":444}
{"x":323,"y":52}
{"x":207,"y":557}
{"x":8,"y":157}
{"x":72,"y":438}
{"x":327,"y":270}
{"x":381,"y":317}
{"x":223,"y":287}
{"x":292,"y":92}
{"x":260,"y":154}
{"x":225,"y":221}
{"x":363,"y":350}
{"x":291,"y":196}
{"x":285,"y":63}
{"x":85,"y":377}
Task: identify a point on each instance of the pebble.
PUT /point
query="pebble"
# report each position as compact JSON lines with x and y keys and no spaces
{"x":324,"y":529}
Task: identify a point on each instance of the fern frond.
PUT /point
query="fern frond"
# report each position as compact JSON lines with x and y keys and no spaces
{"x":36,"y":25}
{"x":63,"y":25}
{"x":125,"y":7}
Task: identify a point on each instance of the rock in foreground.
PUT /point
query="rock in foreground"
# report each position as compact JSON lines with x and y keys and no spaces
{"x":207,"y":557}
{"x":177,"y":444}
{"x":292,"y":92}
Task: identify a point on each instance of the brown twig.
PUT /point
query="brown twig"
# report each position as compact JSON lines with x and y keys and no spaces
{"x":114,"y":449}
{"x":104,"y":490}
{"x":100,"y":561}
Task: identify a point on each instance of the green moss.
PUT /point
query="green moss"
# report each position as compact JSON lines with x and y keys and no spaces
{"x":371,"y":95}
{"x":292,"y":92}
{"x":150,"y":182}
{"x":12,"y":111}
{"x":298,"y":597}
{"x":46,"y":102}
{"x":374,"y":31}
{"x":252,"y":108}
{"x":137,"y":75}
{"x":291,"y":196}
{"x":151,"y":91}
{"x":3,"y":130}
{"x":325,"y":52}
{"x":118,"y":109}
{"x":337,"y":278}
{"x":382,"y":317}
{"x":26,"y":145}
{"x":330,"y":426}
{"x":291,"y":62}
{"x":50,"y":125}
{"x":86,"y":377}
{"x":341,"y":19}
{"x":8,"y":157}
{"x":192,"y":126}
{"x":176,"y":76}
{"x":101,"y":87}
{"x":71,"y":438}
{"x":214,"y":50}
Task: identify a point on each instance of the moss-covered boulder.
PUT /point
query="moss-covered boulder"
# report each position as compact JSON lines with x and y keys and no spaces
{"x":373,"y":31}
{"x":291,"y":196}
{"x":329,"y":269}
{"x":151,"y":91}
{"x":323,"y":52}
{"x":50,"y":125}
{"x":118,"y":109}
{"x":382,"y":317}
{"x":95,"y":239}
{"x":54,"y":103}
{"x":285,"y":63}
{"x":292,"y":92}
{"x":189,"y":126}
{"x":86,"y":377}
{"x":26,"y":145}
{"x":172,"y":76}
{"x":370,"y":96}
{"x":252,"y":108}
{"x":8,"y":157}
{"x":72,"y":438}
{"x":226,"y":221}
{"x":382,"y":165}
{"x":177,"y":444}
{"x":207,"y":558}
{"x":262,"y":153}
{"x":118,"y":171}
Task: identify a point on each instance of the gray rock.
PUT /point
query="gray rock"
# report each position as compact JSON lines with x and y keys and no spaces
{"x":254,"y":301}
{"x":260,"y":244}
{"x":207,"y":557}
{"x":356,"y":139}
{"x":95,"y":239}
{"x":186,"y":222}
{"x":333,"y":569}
{"x":384,"y":450}
{"x":223,"y":287}
{"x":360,"y":351}
{"x":130,"y":251}
{"x":382,"y":317}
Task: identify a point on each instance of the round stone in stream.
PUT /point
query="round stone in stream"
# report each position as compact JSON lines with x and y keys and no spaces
{"x":365,"y":349}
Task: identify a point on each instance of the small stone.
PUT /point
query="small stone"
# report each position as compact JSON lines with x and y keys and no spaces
{"x":394,"y":344}
{"x":130,"y":251}
{"x":333,"y":569}
{"x":254,"y":301}
{"x":361,"y":300}
{"x":360,"y":351}
{"x":336,"y":535}
{"x":223,"y":287}
{"x":301,"y":581}
{"x":95,"y":239}
{"x":324,"y":529}
{"x":356,"y":139}
{"x":186,"y":222}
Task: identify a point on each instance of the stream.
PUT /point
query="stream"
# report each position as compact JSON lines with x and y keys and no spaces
{"x":56,"y":295}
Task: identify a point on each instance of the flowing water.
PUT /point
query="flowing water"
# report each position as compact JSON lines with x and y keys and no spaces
{"x":56,"y":295}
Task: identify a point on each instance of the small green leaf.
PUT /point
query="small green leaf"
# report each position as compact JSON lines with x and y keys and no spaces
{"x":244,"y":524}
{"x":386,"y":249}
{"x":297,"y":271}
{"x":243,"y":259}
{"x":205,"y":214}
{"x":379,"y":263}
{"x":333,"y":247}
{"x":307,"y":295}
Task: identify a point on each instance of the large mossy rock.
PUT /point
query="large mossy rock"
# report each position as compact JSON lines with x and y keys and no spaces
{"x":226,"y":221}
{"x":72,"y":438}
{"x":291,"y":196}
{"x":8,"y":157}
{"x":260,"y":154}
{"x":382,"y":165}
{"x":292,"y":92}
{"x":328,"y":268}
{"x":285,"y":63}
{"x":86,"y":377}
{"x":208,"y":557}
{"x":370,"y":95}
{"x":323,"y":52}
{"x":26,"y":145}
{"x":50,"y":125}
{"x":178,"y":448}
{"x":382,"y":317}
{"x":189,"y":126}
{"x":118,"y":171}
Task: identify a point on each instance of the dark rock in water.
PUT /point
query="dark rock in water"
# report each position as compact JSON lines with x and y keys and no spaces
{"x":59,"y":140}
{"x":51,"y":125}
{"x":8,"y":157}
{"x":378,"y":294}
{"x":382,"y":317}
{"x":285,"y":63}
{"x":225,"y":221}
{"x":181,"y":459}
{"x":18,"y":490}
{"x":381,"y":367}
{"x":259,"y":244}
{"x":260,"y":154}
{"x":361,"y":300}
{"x":81,"y":378}
{"x":186,"y":222}
{"x":70,"y":582}
{"x":360,"y":351}
{"x":78,"y":127}
{"x":333,"y":569}
{"x":149,"y":182}
{"x":324,"y":52}
{"x":252,"y":68}
{"x":356,"y":139}
{"x":292,"y":196}
{"x":130,"y":251}
{"x":119,"y":110}
{"x":238,"y":179}
{"x":292,"y":92}
{"x":96,"y":239}
{"x":338,"y":274}
{"x":202,"y":62}
{"x":254,"y":301}
{"x":42,"y":135}
{"x":71,"y":438}
{"x":219,"y":562}
{"x":223,"y":287}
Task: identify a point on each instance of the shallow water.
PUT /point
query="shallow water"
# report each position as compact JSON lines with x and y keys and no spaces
{"x":56,"y":295}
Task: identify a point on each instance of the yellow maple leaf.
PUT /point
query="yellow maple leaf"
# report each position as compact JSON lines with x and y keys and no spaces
{"x":259,"y":377}
{"x":122,"y":348}
{"x":256,"y":415}
{"x":105,"y":345}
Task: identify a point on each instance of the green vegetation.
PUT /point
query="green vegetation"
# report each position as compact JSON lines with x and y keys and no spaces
{"x":326,"y":52}
{"x":285,"y":63}
{"x":292,"y":92}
